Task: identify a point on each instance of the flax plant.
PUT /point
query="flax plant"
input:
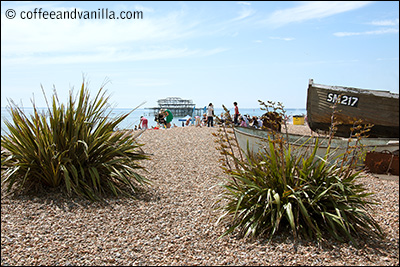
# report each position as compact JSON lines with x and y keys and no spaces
{"x":72,"y":147}
{"x":277,"y":190}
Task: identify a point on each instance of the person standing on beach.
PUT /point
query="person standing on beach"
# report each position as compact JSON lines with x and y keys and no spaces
{"x":143,"y":123}
{"x":236,"y":116}
{"x":210,"y":115}
{"x":168,"y":117}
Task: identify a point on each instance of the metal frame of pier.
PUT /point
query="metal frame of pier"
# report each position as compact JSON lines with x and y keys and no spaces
{"x":178,"y":106}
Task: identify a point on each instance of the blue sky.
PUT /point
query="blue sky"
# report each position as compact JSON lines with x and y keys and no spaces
{"x":217,"y":52}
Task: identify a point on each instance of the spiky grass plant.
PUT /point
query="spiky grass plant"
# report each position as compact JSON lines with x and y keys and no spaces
{"x":73,"y":147}
{"x":278,"y":190}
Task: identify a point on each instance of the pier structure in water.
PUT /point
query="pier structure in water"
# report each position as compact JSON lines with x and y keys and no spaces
{"x":178,"y":106}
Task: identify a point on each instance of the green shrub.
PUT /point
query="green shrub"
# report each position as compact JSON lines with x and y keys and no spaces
{"x":73,"y":147}
{"x":278,"y":190}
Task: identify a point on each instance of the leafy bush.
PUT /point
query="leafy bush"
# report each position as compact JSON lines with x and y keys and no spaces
{"x":72,"y":147}
{"x":279,"y":190}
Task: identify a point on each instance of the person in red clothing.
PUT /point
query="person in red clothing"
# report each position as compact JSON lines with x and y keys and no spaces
{"x":143,"y":123}
{"x":236,"y":116}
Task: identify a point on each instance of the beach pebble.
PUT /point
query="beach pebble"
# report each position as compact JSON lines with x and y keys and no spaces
{"x":173,"y":221}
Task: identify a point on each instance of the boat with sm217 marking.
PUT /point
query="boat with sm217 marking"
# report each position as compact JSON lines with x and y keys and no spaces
{"x":377,"y":107}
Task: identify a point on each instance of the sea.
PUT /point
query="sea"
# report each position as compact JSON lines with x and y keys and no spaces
{"x":134,"y":118}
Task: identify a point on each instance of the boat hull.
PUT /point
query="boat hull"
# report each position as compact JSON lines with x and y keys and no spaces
{"x":257,"y":140}
{"x":377,"y":107}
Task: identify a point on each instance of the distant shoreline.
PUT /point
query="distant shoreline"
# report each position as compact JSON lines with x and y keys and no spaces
{"x":134,"y":118}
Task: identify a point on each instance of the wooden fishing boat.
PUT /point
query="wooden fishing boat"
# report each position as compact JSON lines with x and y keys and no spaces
{"x":377,"y":107}
{"x":257,"y":140}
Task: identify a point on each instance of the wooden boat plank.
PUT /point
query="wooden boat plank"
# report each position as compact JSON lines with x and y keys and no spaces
{"x":380,"y":108}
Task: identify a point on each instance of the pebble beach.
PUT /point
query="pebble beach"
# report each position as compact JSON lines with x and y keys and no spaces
{"x":173,"y":222}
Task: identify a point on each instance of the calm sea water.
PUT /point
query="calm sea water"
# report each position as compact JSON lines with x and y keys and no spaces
{"x":134,"y":118}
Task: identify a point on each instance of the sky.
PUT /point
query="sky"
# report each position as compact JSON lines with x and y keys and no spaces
{"x":209,"y":52}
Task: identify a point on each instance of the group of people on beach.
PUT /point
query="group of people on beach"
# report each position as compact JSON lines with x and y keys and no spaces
{"x":165,"y":116}
{"x":244,"y":120}
{"x":207,"y":120}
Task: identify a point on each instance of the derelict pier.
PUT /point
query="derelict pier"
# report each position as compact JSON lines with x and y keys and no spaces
{"x":178,"y":106}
